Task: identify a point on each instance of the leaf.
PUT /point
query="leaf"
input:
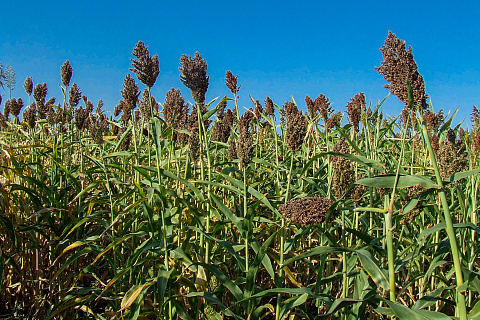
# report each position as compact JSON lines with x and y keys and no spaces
{"x":461,"y":175}
{"x":132,"y":295}
{"x":404,"y":313}
{"x":162,"y":281}
{"x":229,"y":214}
{"x":292,"y":303}
{"x":404,"y":181}
{"x":252,"y":271}
{"x":370,"y":265}
{"x":317,"y":251}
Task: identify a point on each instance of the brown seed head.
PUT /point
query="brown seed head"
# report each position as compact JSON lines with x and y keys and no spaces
{"x":322,"y":105}
{"x":30,"y":115}
{"x":258,"y":111}
{"x":221,"y":108}
{"x":354,"y":110}
{"x":15,"y":107}
{"x":343,"y":173}
{"x":307,"y":211}
{"x":74,"y":96}
{"x":244,"y":144}
{"x":145,"y":67}
{"x":194,"y":144}
{"x":80,"y":118}
{"x":194,"y":76}
{"x":130,"y":94}
{"x":269,"y":108}
{"x":28,"y":85}
{"x":40,"y":93}
{"x":231,"y":82}
{"x":174,"y":111}
{"x":399,"y":67}
{"x":232,"y":150}
{"x":66,"y":71}
{"x":310,"y":106}
{"x":230,"y":117}
{"x":296,"y":128}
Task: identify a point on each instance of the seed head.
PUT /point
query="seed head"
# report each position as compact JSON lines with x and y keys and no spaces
{"x":475,"y":118}
{"x":399,"y":67}
{"x":221,"y":108}
{"x":194,"y":144}
{"x":66,"y":71}
{"x":296,"y":128}
{"x":221,"y":130}
{"x":258,"y":111}
{"x":129,"y":93}
{"x":354,"y":110}
{"x":334,"y":121}
{"x":310,"y":107}
{"x":269,"y":108}
{"x":28,"y":85}
{"x":244,"y":144}
{"x":175,"y":111}
{"x":7,"y":107}
{"x":230,"y":117}
{"x":307,"y":211}
{"x":145,"y":67}
{"x":322,"y":105}
{"x":74,"y":96}
{"x":15,"y":106}
{"x":81,"y":117}
{"x":343,"y":173}
{"x":3,"y":121}
{"x":231,"y":82}
{"x":194,"y":76}
{"x":232,"y":150}
{"x":40,"y":93}
{"x":30,"y":115}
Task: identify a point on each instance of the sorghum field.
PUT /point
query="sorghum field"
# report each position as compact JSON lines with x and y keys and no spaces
{"x":206,"y":211}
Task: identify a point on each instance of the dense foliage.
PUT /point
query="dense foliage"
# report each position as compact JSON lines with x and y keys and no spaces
{"x":203,"y":212}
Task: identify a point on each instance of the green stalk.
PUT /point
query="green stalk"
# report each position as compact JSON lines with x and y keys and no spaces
{"x":282,"y":241}
{"x":461,"y":305}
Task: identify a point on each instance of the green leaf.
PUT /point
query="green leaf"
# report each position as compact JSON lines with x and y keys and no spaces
{"x":461,"y":175}
{"x":372,"y":268}
{"x":252,"y":271}
{"x":162,"y":281}
{"x":292,"y":303}
{"x":404,"y":181}
{"x":317,"y":251}
{"x":404,"y":313}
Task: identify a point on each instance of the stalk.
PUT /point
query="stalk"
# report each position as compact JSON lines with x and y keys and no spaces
{"x":282,"y":241}
{"x":461,"y":305}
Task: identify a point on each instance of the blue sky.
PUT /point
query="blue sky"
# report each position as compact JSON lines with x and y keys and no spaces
{"x":277,"y":48}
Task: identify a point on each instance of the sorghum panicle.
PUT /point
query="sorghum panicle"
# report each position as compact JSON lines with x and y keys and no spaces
{"x":354,"y":110}
{"x":145,"y":66}
{"x":231,"y":82}
{"x":30,"y":115}
{"x":343,"y":173}
{"x":175,"y":112}
{"x":66,"y":72}
{"x":398,"y":67}
{"x":244,"y":143}
{"x":269,"y":108}
{"x":310,"y":106}
{"x":232,"y":150}
{"x":74,"y":95}
{"x":296,"y":128}
{"x":194,"y":76}
{"x":307,"y":211}
{"x":40,"y":93}
{"x":28,"y":86}
{"x":322,"y":105}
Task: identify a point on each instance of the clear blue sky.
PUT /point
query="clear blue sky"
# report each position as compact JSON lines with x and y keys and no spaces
{"x":277,"y":48}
